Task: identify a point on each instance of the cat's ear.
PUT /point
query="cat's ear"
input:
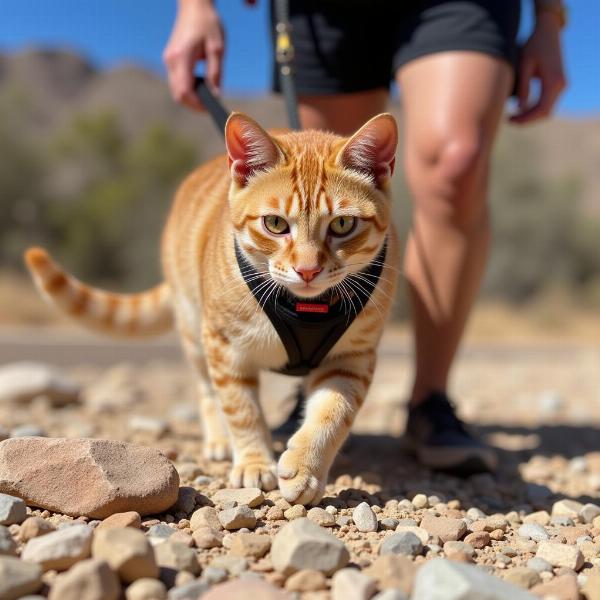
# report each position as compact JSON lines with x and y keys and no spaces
{"x":250,"y":148}
{"x":372,"y":149}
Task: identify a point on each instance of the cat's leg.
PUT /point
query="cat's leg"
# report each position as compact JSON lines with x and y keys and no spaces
{"x":237,"y":389}
{"x":336,"y":391}
{"x":216,"y":443}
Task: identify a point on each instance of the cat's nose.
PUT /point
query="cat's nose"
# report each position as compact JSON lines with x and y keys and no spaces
{"x":308,"y":273}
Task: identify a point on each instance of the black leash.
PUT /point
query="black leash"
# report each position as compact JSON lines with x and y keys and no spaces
{"x":284,"y":55}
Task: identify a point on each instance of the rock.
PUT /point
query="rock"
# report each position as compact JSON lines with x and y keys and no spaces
{"x":252,"y":497}
{"x":541,"y":517}
{"x":453,"y":548}
{"x":245,"y":588}
{"x":418,"y":531}
{"x":364,"y":518}
{"x":445,"y":528}
{"x":238,"y":517}
{"x":391,"y":594}
{"x":206,"y":516}
{"x":22,"y":382}
{"x":589,"y":512}
{"x":34,"y":527}
{"x":147,"y":425}
{"x":567,"y":508}
{"x":306,"y":580}
{"x":522,"y":577}
{"x":478,"y":539}
{"x":160,"y":531}
{"x":189,"y":471}
{"x":561,"y":521}
{"x":401,"y":543}
{"x":301,"y":544}
{"x":214,"y":575}
{"x":533,"y":531}
{"x":186,"y":500}
{"x":146,"y":589}
{"x":60,"y":549}
{"x":591,"y":588}
{"x":189,"y":591}
{"x":295,"y":512}
{"x":321,"y":517}
{"x":96,"y":478}
{"x":563,"y":587}
{"x":393,"y":570}
{"x":8,"y":546}
{"x":539,"y":564}
{"x":439,"y":578}
{"x":127,"y":551}
{"x":18,"y":578}
{"x":389,"y":523}
{"x":124,"y":519}
{"x":177,"y":557}
{"x":560,"y":555}
{"x":205,"y":538}
{"x":250,"y":544}
{"x":234,"y":565}
{"x":420,"y":501}
{"x":27,"y":430}
{"x":12,"y":510}
{"x":351,"y":584}
{"x":88,"y":580}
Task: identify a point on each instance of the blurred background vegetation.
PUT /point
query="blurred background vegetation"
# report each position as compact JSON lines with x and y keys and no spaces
{"x":95,"y":185}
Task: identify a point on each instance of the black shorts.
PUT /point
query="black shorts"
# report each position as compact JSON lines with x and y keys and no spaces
{"x":344,"y":46}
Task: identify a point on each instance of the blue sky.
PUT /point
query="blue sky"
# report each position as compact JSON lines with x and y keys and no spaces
{"x":111,"y":32}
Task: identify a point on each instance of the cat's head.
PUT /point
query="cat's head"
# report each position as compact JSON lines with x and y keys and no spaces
{"x":310,"y":208}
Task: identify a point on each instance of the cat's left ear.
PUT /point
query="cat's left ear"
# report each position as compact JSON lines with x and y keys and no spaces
{"x":372,"y":149}
{"x":250,"y":148}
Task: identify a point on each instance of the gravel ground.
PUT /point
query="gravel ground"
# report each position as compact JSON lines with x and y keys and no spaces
{"x":535,"y":524}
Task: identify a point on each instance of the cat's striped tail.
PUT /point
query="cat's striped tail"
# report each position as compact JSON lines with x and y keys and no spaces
{"x":132,"y":315}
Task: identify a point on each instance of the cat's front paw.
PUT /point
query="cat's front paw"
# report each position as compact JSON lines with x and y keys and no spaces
{"x":217,"y":449}
{"x":298,"y":483}
{"x":254,"y":474}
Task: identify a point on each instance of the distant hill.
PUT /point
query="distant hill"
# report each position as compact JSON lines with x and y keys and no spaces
{"x":60,"y":84}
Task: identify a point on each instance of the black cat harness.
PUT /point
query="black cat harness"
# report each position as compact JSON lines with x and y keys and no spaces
{"x":310,"y":328}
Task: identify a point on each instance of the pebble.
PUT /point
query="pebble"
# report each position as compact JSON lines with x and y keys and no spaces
{"x":8,"y":546}
{"x":12,"y":509}
{"x":539,"y":564}
{"x":447,"y":529}
{"x":146,"y":589}
{"x":454,"y":547}
{"x":561,"y":521}
{"x":238,"y":517}
{"x":60,"y":549}
{"x":533,"y":531}
{"x":90,"y":477}
{"x":214,"y":575}
{"x":566,"y":507}
{"x":127,"y":551}
{"x":541,"y":517}
{"x":563,"y":587}
{"x":560,"y":555}
{"x":252,"y":497}
{"x":160,"y":531}
{"x":244,"y":588}
{"x":321,"y":517}
{"x":295,"y":512}
{"x":186,"y":500}
{"x":351,"y":584}
{"x":401,"y":543}
{"x":421,"y":533}
{"x":23,"y":381}
{"x":189,"y":591}
{"x":89,"y":579}
{"x":234,"y":565}
{"x":207,"y":516}
{"x":205,"y":538}
{"x":364,"y":518}
{"x":389,"y":523}
{"x":189,"y":471}
{"x":306,"y":580}
{"x":440,"y":578}
{"x":522,"y":577}
{"x":177,"y":557}
{"x":250,"y":545}
{"x":18,"y":578}
{"x":478,"y":539}
{"x":124,"y":519}
{"x":589,"y":512}
{"x":393,"y":570}
{"x":420,"y":501}
{"x":301,"y":544}
{"x":33,"y":527}
{"x":275,"y":513}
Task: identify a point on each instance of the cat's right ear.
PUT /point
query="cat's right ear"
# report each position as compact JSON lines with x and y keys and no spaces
{"x":250,"y":148}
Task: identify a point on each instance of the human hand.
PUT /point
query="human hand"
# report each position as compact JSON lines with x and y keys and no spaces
{"x":541,"y":59}
{"x":197,"y":35}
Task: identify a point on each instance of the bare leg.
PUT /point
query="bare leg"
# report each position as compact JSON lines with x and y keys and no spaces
{"x":453,"y":103}
{"x":341,"y":113}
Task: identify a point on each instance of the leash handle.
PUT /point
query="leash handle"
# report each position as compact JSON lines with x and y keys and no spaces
{"x":212,"y":104}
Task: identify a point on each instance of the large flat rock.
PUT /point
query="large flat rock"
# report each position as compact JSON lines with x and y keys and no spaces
{"x":90,"y":477}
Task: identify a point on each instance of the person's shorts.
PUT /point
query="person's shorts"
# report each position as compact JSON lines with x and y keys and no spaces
{"x":344,"y":46}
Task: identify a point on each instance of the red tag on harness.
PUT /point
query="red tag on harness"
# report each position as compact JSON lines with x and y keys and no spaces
{"x":308,"y":307}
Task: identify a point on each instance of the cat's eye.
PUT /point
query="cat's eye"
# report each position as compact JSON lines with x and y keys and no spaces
{"x":276,"y":224}
{"x":341,"y":226}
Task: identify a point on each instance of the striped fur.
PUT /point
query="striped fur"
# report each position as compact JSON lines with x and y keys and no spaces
{"x":307,"y":178}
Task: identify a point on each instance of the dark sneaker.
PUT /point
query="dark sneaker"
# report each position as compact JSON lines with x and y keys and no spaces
{"x":442,"y":442}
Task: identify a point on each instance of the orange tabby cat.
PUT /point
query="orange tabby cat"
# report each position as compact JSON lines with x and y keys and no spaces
{"x":309,"y":211}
